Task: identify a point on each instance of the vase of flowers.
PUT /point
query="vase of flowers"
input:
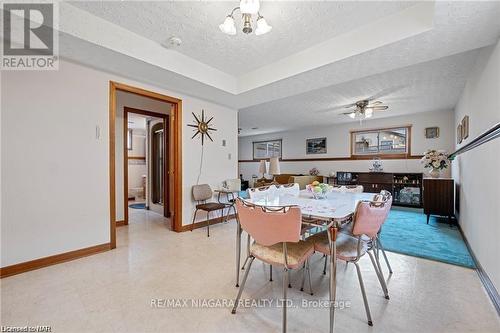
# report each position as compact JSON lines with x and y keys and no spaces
{"x":314,"y":172}
{"x":436,"y":161}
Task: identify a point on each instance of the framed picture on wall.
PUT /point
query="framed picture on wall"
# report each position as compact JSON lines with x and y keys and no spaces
{"x":465,"y":127}
{"x":432,"y":132}
{"x":459,"y":133}
{"x":316,"y":146}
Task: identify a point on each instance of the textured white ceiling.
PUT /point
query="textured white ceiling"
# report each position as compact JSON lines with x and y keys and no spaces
{"x":429,"y":86}
{"x":425,"y":72}
{"x":297,"y":25}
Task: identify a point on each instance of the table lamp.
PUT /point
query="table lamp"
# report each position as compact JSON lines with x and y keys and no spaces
{"x":262,"y":169}
{"x":274,"y":166}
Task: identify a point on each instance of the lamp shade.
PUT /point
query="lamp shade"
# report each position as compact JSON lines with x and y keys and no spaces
{"x":262,"y":167}
{"x":274,"y":166}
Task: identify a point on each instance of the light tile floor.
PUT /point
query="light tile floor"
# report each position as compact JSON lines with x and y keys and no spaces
{"x":112,"y":291}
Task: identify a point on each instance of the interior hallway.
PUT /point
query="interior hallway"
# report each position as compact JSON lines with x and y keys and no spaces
{"x":112,"y":291}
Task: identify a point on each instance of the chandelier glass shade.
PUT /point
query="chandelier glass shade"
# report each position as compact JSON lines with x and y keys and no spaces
{"x":247,"y":9}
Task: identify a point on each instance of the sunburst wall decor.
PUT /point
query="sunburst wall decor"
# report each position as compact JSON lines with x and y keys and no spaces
{"x":202,"y":127}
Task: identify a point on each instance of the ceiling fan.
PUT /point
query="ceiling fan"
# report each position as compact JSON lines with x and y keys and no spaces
{"x":364,"y":109}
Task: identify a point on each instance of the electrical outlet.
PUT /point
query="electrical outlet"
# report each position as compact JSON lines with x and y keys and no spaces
{"x":229,"y":156}
{"x":223,"y":143}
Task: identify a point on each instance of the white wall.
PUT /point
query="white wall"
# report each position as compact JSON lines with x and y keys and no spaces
{"x":478,"y":171}
{"x":137,"y":168}
{"x":54,"y":172}
{"x":338,"y":141}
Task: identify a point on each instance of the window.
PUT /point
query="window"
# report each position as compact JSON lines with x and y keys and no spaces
{"x":388,"y":141}
{"x":266,"y":149}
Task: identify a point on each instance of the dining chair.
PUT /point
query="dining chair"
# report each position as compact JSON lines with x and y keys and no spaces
{"x":291,"y":189}
{"x":368,"y":218}
{"x":202,"y":193}
{"x":348,"y":188}
{"x":263,"y":192}
{"x":230,"y":186}
{"x":384,"y":196}
{"x":276,"y":235}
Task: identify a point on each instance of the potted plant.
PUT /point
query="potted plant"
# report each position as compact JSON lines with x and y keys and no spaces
{"x":435,"y":160}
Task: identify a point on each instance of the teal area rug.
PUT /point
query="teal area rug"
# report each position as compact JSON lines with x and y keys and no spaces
{"x":406,"y":232}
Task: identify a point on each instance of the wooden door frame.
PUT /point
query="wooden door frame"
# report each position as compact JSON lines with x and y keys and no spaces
{"x":166,"y":160}
{"x":175,"y":175}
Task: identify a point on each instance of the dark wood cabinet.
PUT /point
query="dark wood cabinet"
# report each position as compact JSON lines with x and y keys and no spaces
{"x":439,"y":197}
{"x":406,"y":188}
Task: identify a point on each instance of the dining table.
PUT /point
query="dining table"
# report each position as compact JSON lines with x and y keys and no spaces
{"x":331,"y":212}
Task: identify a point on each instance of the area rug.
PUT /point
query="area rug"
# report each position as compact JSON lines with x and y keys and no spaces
{"x":138,"y":206}
{"x":406,"y":232}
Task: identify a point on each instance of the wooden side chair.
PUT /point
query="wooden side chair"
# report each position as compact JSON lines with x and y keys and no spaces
{"x":202,"y":193}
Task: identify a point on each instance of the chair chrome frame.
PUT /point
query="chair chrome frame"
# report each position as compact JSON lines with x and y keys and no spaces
{"x":250,"y":258}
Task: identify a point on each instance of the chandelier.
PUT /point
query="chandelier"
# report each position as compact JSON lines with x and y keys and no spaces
{"x":247,"y":9}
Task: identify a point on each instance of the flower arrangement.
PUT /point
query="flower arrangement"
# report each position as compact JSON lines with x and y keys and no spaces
{"x":314,"y":172}
{"x":436,"y":160}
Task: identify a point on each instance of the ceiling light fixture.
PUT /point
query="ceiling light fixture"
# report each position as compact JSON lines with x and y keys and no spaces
{"x":247,"y":9}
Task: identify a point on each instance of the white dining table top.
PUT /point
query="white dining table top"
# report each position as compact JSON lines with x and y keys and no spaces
{"x":337,"y":205}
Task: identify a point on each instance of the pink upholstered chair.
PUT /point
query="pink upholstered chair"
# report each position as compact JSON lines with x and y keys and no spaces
{"x":368,"y":218}
{"x":276,"y":235}
{"x":384,"y":196}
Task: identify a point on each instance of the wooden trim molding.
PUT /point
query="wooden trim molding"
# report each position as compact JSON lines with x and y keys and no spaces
{"x":143,"y":158}
{"x":352,"y":158}
{"x":121,"y":223}
{"x":203,"y":224}
{"x":52,"y":260}
{"x":175,"y":171}
{"x":485,"y":279}
{"x":488,"y":135}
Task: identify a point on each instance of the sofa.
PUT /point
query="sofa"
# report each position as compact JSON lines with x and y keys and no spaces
{"x":289,"y":179}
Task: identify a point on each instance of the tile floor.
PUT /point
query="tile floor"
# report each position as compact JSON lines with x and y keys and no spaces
{"x":112,"y":291}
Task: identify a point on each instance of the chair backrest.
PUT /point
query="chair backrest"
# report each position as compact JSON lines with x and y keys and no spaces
{"x":288,"y":189}
{"x":262,"y":192}
{"x":354,"y":189}
{"x":202,"y":192}
{"x":369,"y":217}
{"x":348,"y":189}
{"x":269,"y":227}
{"x":232,"y":184}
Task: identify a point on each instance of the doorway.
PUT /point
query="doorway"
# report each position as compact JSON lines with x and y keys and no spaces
{"x":152,"y":182}
{"x":173,"y":172}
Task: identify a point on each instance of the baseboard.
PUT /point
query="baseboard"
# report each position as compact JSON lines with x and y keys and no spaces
{"x":52,"y":260}
{"x":485,"y":279}
{"x":203,"y":224}
{"x":121,"y":223}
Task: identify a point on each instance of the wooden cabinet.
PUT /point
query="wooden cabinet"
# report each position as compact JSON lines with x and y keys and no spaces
{"x":374,"y":182}
{"x":406,"y":188}
{"x":439,"y":197}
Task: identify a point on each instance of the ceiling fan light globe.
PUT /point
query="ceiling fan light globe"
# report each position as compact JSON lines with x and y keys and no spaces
{"x":228,"y":27}
{"x":262,"y":26}
{"x":249,"y":6}
{"x":352,"y":115}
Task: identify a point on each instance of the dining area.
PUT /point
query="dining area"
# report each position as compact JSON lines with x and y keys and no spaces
{"x":285,"y":228}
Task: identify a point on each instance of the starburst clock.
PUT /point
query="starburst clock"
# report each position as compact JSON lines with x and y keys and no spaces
{"x":202,"y":127}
